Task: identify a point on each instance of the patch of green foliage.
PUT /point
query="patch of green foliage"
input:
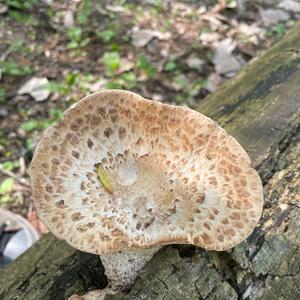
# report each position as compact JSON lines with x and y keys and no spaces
{"x":33,"y":124}
{"x":125,"y":80}
{"x":21,"y":4}
{"x":9,"y":67}
{"x":112,"y":62}
{"x":6,"y":187}
{"x":145,"y":65}
{"x":107,"y":35}
{"x":73,"y":81}
{"x":170,"y":65}
{"x":279,"y":30}
{"x":111,"y":33}
{"x":9,"y":165}
{"x":18,"y":10}
{"x":189,"y":89}
{"x":77,"y":40}
{"x":85,"y":10}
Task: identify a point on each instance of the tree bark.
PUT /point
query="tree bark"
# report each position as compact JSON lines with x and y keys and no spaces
{"x":260,"y":107}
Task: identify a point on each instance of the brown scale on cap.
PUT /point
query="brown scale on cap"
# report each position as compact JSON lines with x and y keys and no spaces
{"x":176,"y":177}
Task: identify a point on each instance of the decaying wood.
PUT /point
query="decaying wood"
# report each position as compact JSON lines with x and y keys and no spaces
{"x":261,"y":108}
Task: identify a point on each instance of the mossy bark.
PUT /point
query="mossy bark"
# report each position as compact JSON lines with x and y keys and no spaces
{"x":261,"y":108}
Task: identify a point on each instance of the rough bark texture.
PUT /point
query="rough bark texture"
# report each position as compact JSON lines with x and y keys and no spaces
{"x":261,"y":108}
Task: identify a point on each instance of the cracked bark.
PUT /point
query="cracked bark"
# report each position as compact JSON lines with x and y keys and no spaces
{"x":261,"y":108}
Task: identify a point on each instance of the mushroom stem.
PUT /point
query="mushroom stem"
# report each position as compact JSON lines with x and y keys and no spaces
{"x":121,"y":269}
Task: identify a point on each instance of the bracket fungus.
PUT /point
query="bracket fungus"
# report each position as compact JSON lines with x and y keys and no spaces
{"x":120,"y":176}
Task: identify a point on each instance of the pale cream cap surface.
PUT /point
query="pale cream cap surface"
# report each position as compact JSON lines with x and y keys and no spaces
{"x":177,"y":177}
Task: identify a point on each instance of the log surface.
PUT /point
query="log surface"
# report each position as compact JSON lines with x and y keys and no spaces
{"x":260,"y":107}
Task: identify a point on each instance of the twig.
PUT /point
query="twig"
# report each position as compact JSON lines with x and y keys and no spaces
{"x":22,"y":168}
{"x":5,"y":53}
{"x":22,"y":181}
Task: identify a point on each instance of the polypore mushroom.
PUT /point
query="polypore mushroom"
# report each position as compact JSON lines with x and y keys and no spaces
{"x":120,"y":176}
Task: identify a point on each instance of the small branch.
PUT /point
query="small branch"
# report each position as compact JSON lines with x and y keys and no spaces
{"x":22,"y":181}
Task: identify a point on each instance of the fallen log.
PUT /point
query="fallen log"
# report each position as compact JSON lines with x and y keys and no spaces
{"x":260,"y":107}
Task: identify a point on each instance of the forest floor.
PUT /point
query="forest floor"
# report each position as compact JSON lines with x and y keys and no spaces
{"x":53,"y":53}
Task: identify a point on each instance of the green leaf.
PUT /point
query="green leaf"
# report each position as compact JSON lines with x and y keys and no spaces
{"x":113,"y":85}
{"x":72,"y":78}
{"x":30,"y":125}
{"x":9,"y":165}
{"x":107,"y":35}
{"x":112,"y":61}
{"x":144,"y":64}
{"x":74,"y":33}
{"x":170,"y":65}
{"x":72,"y":45}
{"x":46,"y":123}
{"x":29,"y":144}
{"x":84,"y":42}
{"x":104,"y":179}
{"x":21,"y":4}
{"x":14,"y":3}
{"x":84,"y":11}
{"x":23,"y":17}
{"x":6,"y":185}
{"x":4,"y":200}
{"x":129,"y":79}
{"x":54,"y":86}
{"x":56,"y":114}
{"x":11,"y":68}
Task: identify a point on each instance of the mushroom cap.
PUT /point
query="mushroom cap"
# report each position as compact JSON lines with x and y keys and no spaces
{"x":176,"y":176}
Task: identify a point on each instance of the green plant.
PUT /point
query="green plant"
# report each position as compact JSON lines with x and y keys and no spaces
{"x":77,"y":41}
{"x":21,"y":4}
{"x":111,"y":85}
{"x":107,"y":35}
{"x":55,"y":114}
{"x":279,"y":30}
{"x":23,"y":18}
{"x":29,"y":144}
{"x":8,"y":67}
{"x":30,"y":125}
{"x":19,"y":11}
{"x":85,"y":10}
{"x":112,"y":62}
{"x":128,"y":79}
{"x":170,"y":65}
{"x":6,"y":188}
{"x":71,"y":83}
{"x":9,"y":165}
{"x":145,"y":65}
{"x":189,"y":89}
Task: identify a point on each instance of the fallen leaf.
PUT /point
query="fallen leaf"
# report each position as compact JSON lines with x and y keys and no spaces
{"x":195,"y":62}
{"x":140,"y":38}
{"x":3,"y":8}
{"x":225,"y":62}
{"x":36,"y":222}
{"x":273,"y":16}
{"x":213,"y":81}
{"x":290,"y":5}
{"x":98,"y":85}
{"x":104,"y":179}
{"x":69,"y":19}
{"x":37,"y":88}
